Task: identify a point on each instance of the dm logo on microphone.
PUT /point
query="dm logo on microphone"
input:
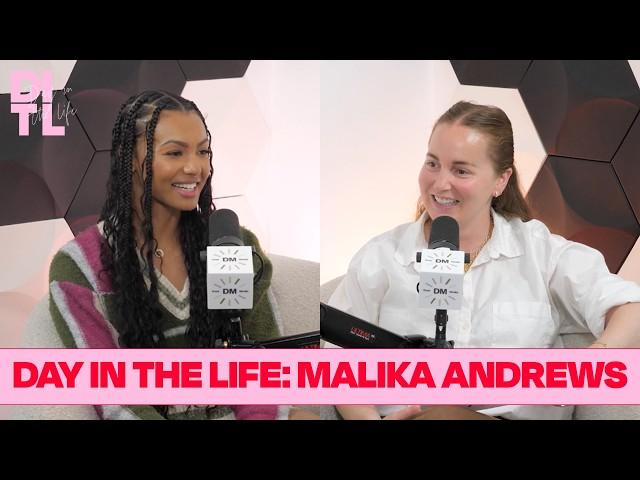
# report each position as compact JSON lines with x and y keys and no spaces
{"x":231,"y":292}
{"x":437,"y":294}
{"x":441,"y":276}
{"x":22,"y":103}
{"x":229,"y":278}
{"x":442,"y":260}
{"x":230,"y":259}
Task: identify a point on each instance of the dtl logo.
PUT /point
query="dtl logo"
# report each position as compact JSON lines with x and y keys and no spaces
{"x":22,"y":103}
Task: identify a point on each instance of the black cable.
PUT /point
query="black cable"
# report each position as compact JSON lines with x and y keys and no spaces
{"x":258,"y":275}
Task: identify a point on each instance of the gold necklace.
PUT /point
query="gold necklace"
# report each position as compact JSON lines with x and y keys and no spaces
{"x":473,"y":255}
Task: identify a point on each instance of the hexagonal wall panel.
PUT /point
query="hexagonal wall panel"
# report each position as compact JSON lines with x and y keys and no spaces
{"x":490,"y":73}
{"x":582,"y":201}
{"x":213,"y":69}
{"x":581,"y":109}
{"x":626,"y":168}
{"x":100,"y":87}
{"x":626,"y":164}
{"x":40,"y":174}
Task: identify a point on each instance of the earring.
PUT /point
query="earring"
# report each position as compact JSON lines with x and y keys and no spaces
{"x":198,"y":209}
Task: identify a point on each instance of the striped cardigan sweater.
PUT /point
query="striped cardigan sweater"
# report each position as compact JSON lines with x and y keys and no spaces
{"x":83,"y":309}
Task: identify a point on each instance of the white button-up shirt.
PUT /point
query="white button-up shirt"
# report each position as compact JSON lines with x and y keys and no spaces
{"x":525,"y":288}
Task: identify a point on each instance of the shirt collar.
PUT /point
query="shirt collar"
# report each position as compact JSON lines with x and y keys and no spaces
{"x":503,"y":241}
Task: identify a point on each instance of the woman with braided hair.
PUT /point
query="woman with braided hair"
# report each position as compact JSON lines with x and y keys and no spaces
{"x":135,"y":280}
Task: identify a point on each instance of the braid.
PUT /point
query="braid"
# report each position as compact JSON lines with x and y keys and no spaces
{"x":118,"y":251}
{"x":138,"y":305}
{"x":150,"y":244}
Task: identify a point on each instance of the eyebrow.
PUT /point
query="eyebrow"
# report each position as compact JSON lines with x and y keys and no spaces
{"x":455,"y":162}
{"x":183,"y":144}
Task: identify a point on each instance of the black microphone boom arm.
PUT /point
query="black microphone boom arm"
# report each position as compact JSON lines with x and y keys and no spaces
{"x":346,"y":331}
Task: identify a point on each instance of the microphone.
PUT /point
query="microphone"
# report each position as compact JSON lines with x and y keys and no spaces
{"x":230,"y":280}
{"x":229,"y":264}
{"x":347,"y":331}
{"x":441,"y":268}
{"x":229,"y":269}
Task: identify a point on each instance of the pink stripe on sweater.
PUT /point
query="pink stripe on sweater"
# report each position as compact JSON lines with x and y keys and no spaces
{"x":255,"y":412}
{"x":92,"y":325}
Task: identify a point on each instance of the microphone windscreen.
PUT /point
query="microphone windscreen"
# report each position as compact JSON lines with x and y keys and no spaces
{"x":224,"y":228}
{"x":444,"y":233}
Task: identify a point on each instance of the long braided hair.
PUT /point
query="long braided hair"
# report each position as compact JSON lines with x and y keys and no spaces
{"x":137,"y":305}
